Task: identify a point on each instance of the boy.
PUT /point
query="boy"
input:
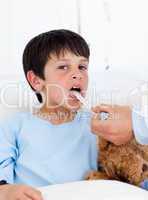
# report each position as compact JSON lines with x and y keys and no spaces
{"x":55,"y":144}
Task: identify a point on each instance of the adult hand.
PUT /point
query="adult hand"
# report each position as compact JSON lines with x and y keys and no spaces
{"x":117,"y":128}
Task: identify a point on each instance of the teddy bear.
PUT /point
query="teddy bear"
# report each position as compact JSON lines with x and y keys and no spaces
{"x":127,"y":162}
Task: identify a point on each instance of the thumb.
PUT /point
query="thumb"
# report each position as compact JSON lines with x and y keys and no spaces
{"x":103,"y":108}
{"x":96,"y":109}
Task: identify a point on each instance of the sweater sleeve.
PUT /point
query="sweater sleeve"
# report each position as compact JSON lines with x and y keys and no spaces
{"x":8,"y":149}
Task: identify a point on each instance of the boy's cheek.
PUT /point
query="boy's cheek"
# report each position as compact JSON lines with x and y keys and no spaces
{"x":54,"y":96}
{"x":86,"y":83}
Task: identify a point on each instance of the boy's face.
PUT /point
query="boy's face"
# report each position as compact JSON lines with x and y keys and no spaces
{"x":63,"y":75}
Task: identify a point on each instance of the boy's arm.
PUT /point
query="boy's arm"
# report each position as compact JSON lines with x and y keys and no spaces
{"x":8,"y":155}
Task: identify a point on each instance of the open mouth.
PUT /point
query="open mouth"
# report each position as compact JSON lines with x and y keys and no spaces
{"x":75,"y":89}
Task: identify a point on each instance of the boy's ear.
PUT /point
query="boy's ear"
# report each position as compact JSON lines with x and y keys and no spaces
{"x":36,"y":82}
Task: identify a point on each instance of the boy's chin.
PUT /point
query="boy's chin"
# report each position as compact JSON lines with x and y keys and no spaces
{"x":73,"y":106}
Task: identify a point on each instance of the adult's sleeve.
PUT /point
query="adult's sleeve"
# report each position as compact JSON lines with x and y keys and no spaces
{"x":140,"y":127}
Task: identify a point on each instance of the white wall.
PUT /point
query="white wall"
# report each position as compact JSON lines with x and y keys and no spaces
{"x":116,"y":30}
{"x":23,"y":19}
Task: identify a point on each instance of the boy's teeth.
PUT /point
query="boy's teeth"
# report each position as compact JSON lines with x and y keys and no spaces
{"x":75,"y":89}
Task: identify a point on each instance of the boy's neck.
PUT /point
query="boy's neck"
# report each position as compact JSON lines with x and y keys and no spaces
{"x":57,"y":115}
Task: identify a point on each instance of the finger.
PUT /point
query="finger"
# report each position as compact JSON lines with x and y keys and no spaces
{"x":105,"y":130}
{"x":106,"y":108}
{"x":34,"y":194}
{"x":103,"y":108}
{"x":100,"y":126}
{"x":107,"y":137}
{"x":24,"y":197}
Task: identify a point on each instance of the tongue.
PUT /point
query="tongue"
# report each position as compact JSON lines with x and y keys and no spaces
{"x":79,"y":97}
{"x":73,"y":94}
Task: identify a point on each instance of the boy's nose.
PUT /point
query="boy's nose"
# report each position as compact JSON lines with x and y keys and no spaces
{"x":76,"y":76}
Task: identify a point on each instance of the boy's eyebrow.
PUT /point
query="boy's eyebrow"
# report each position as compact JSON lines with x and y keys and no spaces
{"x":83,"y":59}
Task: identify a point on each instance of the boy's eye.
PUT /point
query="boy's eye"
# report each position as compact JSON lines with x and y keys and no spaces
{"x":83,"y":67}
{"x":64,"y":67}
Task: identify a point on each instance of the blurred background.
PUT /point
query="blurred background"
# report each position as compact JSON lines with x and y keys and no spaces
{"x":116,"y":30}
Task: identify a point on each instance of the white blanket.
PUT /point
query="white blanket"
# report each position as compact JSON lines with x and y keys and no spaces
{"x":93,"y":190}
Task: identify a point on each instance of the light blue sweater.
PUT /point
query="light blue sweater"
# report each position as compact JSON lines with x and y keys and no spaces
{"x":38,"y":153}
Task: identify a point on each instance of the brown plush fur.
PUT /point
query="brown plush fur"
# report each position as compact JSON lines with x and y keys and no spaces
{"x":127,"y":163}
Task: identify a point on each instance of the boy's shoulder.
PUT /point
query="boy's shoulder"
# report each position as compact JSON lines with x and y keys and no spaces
{"x":14,"y":121}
